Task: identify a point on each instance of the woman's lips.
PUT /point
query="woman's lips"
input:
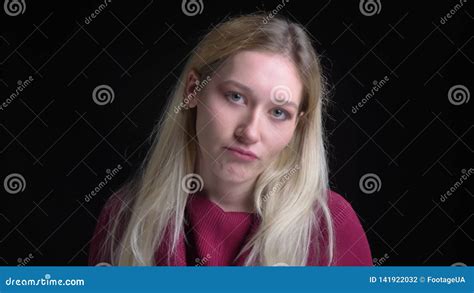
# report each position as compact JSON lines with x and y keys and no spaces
{"x":242,"y":154}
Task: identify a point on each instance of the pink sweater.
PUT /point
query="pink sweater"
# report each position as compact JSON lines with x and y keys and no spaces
{"x":214,"y":237}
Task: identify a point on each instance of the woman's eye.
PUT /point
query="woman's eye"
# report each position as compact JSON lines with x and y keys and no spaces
{"x":280,"y":114}
{"x":235,"y":97}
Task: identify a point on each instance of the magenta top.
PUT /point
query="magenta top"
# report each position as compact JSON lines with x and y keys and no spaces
{"x":214,"y":237}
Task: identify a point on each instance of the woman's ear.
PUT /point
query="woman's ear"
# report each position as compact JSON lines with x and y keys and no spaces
{"x":299,"y":117}
{"x":192,"y":81}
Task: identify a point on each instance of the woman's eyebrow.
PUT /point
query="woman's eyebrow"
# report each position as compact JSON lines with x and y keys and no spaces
{"x":249,"y":90}
{"x":239,"y":85}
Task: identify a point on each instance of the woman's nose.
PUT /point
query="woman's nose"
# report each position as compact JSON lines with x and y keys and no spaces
{"x":248,"y":131}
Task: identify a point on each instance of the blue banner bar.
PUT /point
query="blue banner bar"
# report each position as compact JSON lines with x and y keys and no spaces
{"x":237,"y":279}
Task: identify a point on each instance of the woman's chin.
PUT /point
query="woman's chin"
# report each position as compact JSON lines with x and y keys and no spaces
{"x":234,"y":174}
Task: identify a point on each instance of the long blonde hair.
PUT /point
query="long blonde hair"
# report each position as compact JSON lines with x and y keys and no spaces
{"x":293,"y":212}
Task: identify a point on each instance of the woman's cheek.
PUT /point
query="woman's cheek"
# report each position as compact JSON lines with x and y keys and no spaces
{"x":277,"y":141}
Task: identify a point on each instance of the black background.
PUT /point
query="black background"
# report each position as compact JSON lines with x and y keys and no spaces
{"x":408,"y":134}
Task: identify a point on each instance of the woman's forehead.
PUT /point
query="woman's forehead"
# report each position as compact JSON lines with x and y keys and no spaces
{"x":261,"y":72}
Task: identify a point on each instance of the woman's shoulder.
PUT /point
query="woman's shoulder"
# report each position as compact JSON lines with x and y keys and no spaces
{"x":341,"y":210}
{"x":103,"y":228}
{"x":351,"y":246}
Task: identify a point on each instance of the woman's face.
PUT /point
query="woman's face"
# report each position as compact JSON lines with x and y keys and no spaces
{"x":250,"y":104}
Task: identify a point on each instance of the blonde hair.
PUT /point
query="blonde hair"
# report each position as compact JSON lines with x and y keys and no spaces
{"x":292,"y":214}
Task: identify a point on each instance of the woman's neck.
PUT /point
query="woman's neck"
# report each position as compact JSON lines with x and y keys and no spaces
{"x":231,"y":197}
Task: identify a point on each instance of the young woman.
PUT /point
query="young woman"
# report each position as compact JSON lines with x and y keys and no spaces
{"x":237,"y":173}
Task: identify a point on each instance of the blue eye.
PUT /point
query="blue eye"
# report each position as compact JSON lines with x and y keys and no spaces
{"x":234,"y":97}
{"x":281,"y":114}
